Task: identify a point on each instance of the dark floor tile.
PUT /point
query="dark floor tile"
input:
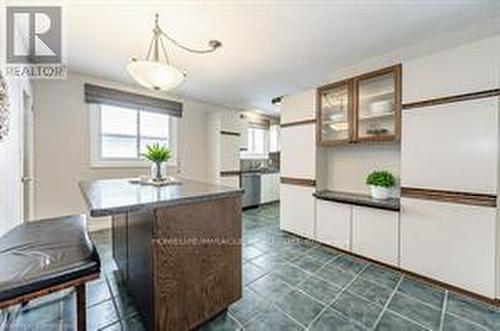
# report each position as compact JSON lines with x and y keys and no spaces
{"x":474,"y":311}
{"x":97,"y":291}
{"x":415,"y":310}
{"x":309,"y":263}
{"x":319,"y":289}
{"x":331,"y":320}
{"x":363,"y":311}
{"x":371,"y":291}
{"x":348,"y":263}
{"x":248,"y":306}
{"x":271,"y":287}
{"x":269,"y":261}
{"x":251,"y":272}
{"x":393,"y":322}
{"x":46,"y":311}
{"x":290,"y":273}
{"x":381,"y":275}
{"x":222,"y":322}
{"x":125,"y":306}
{"x":299,"y":306}
{"x":422,"y":291}
{"x":335,"y":275}
{"x":272,"y":320}
{"x":323,"y":253}
{"x":133,"y":323}
{"x":101,"y":315}
{"x":453,"y":323}
{"x":251,"y":252}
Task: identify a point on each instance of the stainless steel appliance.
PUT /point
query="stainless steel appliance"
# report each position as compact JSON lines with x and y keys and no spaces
{"x":250,"y":182}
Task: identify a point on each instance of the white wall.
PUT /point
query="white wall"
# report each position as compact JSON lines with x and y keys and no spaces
{"x":62,"y":148}
{"x":348,"y":166}
{"x":11,"y":151}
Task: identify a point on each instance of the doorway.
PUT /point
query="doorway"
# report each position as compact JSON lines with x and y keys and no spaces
{"x":27,"y":177}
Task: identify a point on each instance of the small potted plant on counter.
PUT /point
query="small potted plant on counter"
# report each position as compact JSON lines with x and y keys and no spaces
{"x":159,"y":155}
{"x":381,"y":184}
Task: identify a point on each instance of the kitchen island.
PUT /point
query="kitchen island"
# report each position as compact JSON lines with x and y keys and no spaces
{"x":177,"y":247}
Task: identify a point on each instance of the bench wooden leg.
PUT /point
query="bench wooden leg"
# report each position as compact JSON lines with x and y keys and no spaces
{"x":81,"y":308}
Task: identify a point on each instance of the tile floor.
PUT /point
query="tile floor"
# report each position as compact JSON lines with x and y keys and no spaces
{"x":289,"y":284}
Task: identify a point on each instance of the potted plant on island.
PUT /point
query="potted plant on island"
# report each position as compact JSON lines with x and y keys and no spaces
{"x":158,"y":155}
{"x":381,"y":184}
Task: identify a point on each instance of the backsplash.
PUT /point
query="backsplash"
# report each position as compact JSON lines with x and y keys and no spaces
{"x":271,"y":162}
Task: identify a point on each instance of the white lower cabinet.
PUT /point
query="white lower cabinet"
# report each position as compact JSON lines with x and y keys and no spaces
{"x":297,"y":209}
{"x":375,"y":234}
{"x":333,"y":223}
{"x":269,"y":188}
{"x":453,"y":243}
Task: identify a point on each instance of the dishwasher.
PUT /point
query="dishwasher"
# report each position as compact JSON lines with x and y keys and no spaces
{"x":250,"y":182}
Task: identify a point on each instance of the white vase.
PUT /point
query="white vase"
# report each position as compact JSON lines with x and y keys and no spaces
{"x":162,"y":173}
{"x":381,"y":193}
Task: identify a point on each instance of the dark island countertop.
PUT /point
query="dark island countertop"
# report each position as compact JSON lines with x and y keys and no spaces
{"x":116,"y":196}
{"x":358,"y":199}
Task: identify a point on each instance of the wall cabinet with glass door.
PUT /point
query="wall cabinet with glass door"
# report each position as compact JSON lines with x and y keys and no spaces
{"x":365,"y":108}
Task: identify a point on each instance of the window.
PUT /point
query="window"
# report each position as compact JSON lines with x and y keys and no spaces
{"x":258,"y":143}
{"x":120,"y":135}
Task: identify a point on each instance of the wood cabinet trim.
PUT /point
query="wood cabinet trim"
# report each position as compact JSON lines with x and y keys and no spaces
{"x":466,"y":198}
{"x":296,"y":123}
{"x":298,"y":181}
{"x":452,"y":99}
{"x":230,"y":173}
{"x":230,"y":133}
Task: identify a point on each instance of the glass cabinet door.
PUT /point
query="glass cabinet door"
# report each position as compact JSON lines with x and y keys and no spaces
{"x":335,"y":102}
{"x":377,"y":106}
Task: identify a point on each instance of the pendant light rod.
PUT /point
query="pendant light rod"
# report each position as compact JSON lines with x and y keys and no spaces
{"x":158,"y":33}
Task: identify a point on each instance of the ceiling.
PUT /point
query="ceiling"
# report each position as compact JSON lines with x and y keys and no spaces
{"x":270,"y":48}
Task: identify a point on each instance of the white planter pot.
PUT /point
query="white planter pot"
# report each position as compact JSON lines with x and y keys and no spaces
{"x":163,"y":171}
{"x":381,"y":193}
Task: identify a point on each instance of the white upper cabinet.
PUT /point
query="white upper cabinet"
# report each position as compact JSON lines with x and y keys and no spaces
{"x":298,"y":156}
{"x":230,"y":153}
{"x":465,"y":69}
{"x":451,"y":147}
{"x":450,"y":242}
{"x":298,"y":107}
{"x":230,"y":121}
{"x":243,"y":132}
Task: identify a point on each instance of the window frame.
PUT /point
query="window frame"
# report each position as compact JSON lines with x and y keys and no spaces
{"x":249,"y":154}
{"x":96,"y":159}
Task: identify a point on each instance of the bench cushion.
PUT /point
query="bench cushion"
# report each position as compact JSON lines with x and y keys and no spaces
{"x":40,"y":254}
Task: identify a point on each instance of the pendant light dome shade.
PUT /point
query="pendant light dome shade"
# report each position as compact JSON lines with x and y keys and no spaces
{"x":155,"y":75}
{"x":155,"y":71}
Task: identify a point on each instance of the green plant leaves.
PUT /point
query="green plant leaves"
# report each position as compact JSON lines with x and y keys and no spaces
{"x":157,"y":153}
{"x":381,"y":178}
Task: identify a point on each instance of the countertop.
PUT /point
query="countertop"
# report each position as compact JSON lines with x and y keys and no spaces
{"x":117,"y":196}
{"x":358,"y":199}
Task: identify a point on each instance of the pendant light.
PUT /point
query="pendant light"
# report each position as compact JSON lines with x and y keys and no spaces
{"x":155,"y":71}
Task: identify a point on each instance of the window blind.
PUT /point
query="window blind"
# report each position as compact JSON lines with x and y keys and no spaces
{"x":105,"y":95}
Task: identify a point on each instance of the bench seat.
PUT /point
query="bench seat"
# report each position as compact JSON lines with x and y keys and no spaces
{"x":44,"y":256}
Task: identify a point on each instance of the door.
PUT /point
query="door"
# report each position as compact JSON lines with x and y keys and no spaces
{"x":28,"y":158}
{"x":297,"y":210}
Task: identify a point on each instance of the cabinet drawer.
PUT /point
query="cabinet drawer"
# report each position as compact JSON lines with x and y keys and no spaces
{"x":450,"y":242}
{"x":297,"y":210}
{"x":333,"y":224}
{"x":375,"y":234}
